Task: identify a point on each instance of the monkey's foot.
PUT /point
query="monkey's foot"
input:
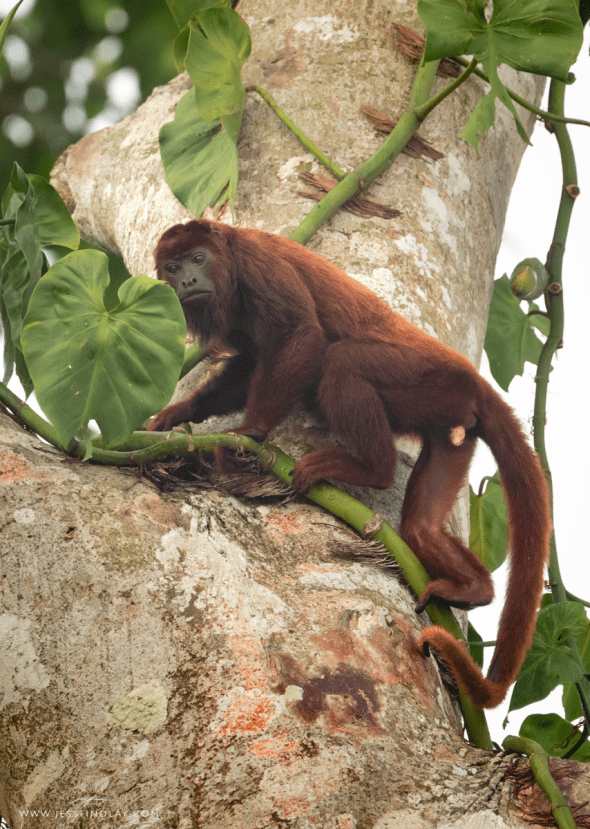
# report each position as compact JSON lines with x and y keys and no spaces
{"x":448,"y":593}
{"x":339,"y":465}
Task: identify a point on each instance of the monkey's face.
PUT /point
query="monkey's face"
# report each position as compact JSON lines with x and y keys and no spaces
{"x":190,"y":276}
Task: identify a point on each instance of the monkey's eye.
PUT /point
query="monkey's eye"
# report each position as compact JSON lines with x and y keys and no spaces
{"x":172,"y":267}
{"x":198,"y":258}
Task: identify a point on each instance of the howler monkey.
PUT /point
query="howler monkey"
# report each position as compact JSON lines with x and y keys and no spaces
{"x":300,"y":327}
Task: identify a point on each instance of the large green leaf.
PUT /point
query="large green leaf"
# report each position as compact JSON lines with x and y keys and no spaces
{"x":488,"y":535}
{"x":34,"y":215}
{"x":538,"y":36}
{"x":510,"y":337}
{"x":201,"y":161}
{"x":54,"y":224}
{"x":22,"y":266}
{"x":556,"y":735}
{"x":36,"y":206}
{"x":549,"y":662}
{"x":116,"y":367}
{"x":218,"y":45}
{"x":198,"y":148}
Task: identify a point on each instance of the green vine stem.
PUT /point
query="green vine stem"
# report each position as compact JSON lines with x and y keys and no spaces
{"x":570,"y":597}
{"x":540,"y":113}
{"x":540,"y":767}
{"x":427,"y":107}
{"x":554,"y":300}
{"x":309,"y":145}
{"x":30,"y":418}
{"x":372,"y":168}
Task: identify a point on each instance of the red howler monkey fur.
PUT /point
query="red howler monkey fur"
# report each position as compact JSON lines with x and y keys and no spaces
{"x":302,"y":329}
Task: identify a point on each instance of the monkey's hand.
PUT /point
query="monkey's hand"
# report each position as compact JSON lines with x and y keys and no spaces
{"x":172,"y":416}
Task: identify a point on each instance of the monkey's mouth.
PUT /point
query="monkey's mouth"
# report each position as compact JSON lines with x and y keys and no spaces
{"x":196,"y":295}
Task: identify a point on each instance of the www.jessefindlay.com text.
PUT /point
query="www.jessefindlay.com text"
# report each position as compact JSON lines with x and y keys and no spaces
{"x":77,"y":813}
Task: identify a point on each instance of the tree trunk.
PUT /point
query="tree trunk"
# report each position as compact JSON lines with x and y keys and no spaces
{"x":192,"y":660}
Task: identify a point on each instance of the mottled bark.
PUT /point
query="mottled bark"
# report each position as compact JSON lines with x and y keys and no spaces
{"x":208,"y":661}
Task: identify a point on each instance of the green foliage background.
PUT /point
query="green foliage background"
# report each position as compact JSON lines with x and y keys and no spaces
{"x":57,"y":35}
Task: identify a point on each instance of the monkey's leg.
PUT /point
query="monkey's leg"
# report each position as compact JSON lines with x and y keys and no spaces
{"x":458,"y":576}
{"x":355,"y":412}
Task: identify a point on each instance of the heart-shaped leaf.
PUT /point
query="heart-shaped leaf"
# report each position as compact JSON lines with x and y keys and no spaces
{"x":539,"y":36}
{"x":117,"y":367}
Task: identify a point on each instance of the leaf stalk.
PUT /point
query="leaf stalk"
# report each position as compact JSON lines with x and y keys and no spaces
{"x":555,"y":306}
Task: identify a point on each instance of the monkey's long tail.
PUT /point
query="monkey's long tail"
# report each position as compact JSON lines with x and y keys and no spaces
{"x":528,"y":517}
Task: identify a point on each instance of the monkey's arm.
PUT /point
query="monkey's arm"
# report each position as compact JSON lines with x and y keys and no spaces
{"x":223,"y":393}
{"x":287,"y":365}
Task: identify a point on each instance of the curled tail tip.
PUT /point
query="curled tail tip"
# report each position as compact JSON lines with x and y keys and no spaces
{"x":456,"y":657}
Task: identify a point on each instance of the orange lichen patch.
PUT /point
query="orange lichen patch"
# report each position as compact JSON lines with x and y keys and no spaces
{"x":248,"y":711}
{"x":346,"y":697}
{"x":293,"y":806}
{"x":355,"y":667}
{"x":13,"y":469}
{"x":250,"y":660}
{"x":378,"y":653}
{"x":286,"y":523}
{"x":274,"y":747}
